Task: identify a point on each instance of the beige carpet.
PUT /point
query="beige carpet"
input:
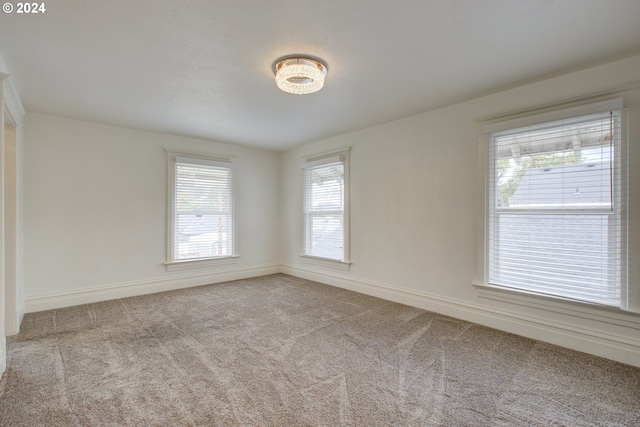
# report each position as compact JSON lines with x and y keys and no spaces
{"x":282,"y":351}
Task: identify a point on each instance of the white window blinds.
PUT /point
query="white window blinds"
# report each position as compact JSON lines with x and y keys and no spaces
{"x":202,"y":209}
{"x":555,"y":224}
{"x":324,"y":208}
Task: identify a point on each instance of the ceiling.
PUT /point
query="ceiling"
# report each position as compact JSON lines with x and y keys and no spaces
{"x":204,"y":68}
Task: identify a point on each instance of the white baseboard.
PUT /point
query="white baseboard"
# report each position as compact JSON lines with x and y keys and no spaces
{"x":122,"y":290}
{"x":3,"y":355}
{"x":622,"y":348}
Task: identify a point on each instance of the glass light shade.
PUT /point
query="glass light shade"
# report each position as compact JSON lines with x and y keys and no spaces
{"x":300,"y":76}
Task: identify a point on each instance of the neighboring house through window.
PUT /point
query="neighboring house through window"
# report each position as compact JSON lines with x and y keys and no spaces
{"x":201,"y":209}
{"x":326,"y":222}
{"x":555,"y":220}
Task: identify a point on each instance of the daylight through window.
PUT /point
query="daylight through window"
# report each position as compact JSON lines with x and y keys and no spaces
{"x":555,"y":224}
{"x":202,"y":224}
{"x":324,"y":208}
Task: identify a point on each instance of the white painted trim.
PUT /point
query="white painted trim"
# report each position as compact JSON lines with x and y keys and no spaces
{"x":321,"y":162}
{"x":320,"y":156}
{"x":203,"y":161}
{"x":625,"y":349}
{"x":11,"y":96}
{"x":224,"y":160}
{"x":326,"y":262}
{"x":202,"y":262}
{"x":3,"y":356}
{"x":13,"y":112}
{"x":3,"y":291}
{"x":143,"y":287}
{"x":560,"y":114}
{"x":11,"y":252}
{"x":585,"y":310}
{"x":582,"y":98}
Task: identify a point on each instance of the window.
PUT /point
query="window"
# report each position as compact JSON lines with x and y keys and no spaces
{"x":325,"y":207}
{"x":201,"y":209}
{"x":555,"y":220}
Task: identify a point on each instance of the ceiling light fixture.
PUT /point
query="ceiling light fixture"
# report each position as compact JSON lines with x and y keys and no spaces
{"x":300,"y":75}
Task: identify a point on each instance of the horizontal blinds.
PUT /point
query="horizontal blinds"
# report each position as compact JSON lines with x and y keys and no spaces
{"x":203,"y":210}
{"x":555,"y":217}
{"x":324,"y":209}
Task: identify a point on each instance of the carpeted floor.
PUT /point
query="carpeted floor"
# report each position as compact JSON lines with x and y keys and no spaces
{"x":282,"y":351}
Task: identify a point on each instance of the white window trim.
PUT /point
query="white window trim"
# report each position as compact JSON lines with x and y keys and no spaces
{"x":578,"y":309}
{"x":200,"y":263}
{"x":486,"y":290}
{"x":326,"y":262}
{"x":171,"y":264}
{"x":316,"y":160}
{"x":559,"y":114}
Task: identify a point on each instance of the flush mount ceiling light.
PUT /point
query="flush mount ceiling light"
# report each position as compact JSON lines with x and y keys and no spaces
{"x":300,"y":75}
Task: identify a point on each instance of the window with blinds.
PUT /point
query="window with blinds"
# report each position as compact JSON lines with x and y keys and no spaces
{"x":324,"y":208}
{"x":202,"y":209}
{"x":555,"y":205}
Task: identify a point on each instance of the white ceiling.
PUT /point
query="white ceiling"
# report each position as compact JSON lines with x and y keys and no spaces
{"x":204,"y":68}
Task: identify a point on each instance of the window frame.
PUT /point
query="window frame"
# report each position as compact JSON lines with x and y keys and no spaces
{"x":171,"y":263}
{"x":489,"y":157}
{"x":342,"y":156}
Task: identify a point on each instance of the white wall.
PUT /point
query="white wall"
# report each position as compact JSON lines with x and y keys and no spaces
{"x":95,"y":212}
{"x":417,"y":216}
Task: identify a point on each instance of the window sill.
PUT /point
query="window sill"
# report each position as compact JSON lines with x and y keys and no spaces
{"x":326,"y":262}
{"x":587,"y":310}
{"x":201,"y":263}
